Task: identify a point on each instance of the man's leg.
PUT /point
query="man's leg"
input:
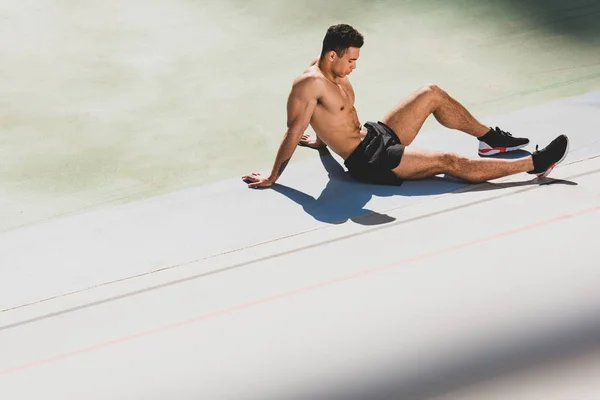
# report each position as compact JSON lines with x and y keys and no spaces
{"x":419,"y":164}
{"x":407,"y":118}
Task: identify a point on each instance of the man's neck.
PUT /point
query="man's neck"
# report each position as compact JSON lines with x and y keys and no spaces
{"x":326,"y":71}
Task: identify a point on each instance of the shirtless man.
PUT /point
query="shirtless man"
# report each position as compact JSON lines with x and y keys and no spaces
{"x":379,"y":152}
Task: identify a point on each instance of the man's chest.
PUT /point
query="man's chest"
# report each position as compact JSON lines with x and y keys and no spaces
{"x":338,"y":97}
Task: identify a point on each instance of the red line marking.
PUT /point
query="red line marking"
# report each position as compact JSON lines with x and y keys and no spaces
{"x":290,"y":293}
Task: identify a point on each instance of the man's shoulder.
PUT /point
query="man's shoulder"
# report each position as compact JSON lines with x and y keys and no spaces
{"x":310,"y":79}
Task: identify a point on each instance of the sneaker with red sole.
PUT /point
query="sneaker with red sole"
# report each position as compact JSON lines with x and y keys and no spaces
{"x":497,"y":141}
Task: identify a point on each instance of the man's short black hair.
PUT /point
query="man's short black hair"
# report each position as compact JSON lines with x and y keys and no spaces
{"x":339,"y":38}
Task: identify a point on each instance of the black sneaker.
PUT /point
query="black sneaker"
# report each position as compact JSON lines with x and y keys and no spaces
{"x":497,"y":141}
{"x":546,"y":159}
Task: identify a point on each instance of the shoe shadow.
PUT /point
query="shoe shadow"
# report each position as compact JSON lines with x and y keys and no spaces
{"x":487,"y":186}
{"x":511,"y":155}
{"x":344,"y":198}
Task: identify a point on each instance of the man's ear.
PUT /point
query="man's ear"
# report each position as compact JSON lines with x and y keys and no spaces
{"x":331,"y":55}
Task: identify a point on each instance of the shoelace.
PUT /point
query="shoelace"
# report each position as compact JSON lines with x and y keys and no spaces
{"x":501,"y":132}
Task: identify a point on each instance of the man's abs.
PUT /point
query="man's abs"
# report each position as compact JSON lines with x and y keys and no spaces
{"x":342,"y":133}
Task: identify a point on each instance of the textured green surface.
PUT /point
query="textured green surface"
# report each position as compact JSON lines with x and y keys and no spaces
{"x":107,"y":102}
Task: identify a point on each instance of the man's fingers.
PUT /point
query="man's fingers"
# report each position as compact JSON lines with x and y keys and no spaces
{"x":256,"y":180}
{"x":248,"y":179}
{"x":304,"y":140}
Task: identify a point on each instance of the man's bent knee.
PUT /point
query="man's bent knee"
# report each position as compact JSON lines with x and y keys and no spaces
{"x":433,"y":91}
{"x":432,"y":88}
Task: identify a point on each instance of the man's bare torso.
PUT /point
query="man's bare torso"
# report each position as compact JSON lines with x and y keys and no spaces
{"x":334,"y":120}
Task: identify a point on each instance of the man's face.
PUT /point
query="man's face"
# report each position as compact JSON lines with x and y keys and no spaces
{"x":344,"y":65}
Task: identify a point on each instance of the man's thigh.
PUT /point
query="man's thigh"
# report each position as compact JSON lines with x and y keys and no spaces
{"x":408,"y":116}
{"x":419,"y":163}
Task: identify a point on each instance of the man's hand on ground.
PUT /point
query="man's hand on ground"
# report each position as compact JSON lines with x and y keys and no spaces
{"x":256,"y":180}
{"x":313,"y":143}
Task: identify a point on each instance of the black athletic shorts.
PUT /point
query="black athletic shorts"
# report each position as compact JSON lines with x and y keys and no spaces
{"x":379,"y":152}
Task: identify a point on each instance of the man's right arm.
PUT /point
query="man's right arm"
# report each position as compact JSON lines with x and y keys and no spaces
{"x":301,"y":104}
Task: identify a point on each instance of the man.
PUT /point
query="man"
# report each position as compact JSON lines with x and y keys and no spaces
{"x":379,"y":152}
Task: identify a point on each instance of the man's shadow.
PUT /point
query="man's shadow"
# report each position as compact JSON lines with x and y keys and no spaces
{"x":344,"y":198}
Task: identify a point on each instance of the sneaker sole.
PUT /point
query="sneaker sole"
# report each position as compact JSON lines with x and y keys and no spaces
{"x":485,"y":150}
{"x":547,"y":172}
